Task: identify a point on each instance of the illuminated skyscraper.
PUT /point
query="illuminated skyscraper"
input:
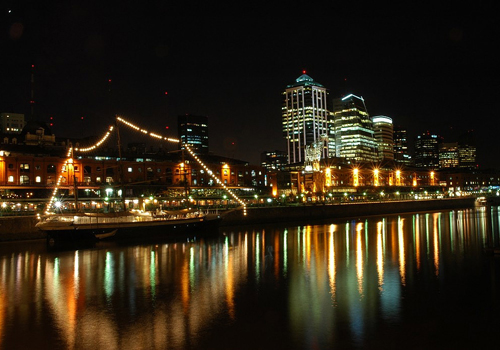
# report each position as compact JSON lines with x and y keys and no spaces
{"x":467,"y":150}
{"x":354,"y":132}
{"x":193,"y":131}
{"x":448,"y":155}
{"x":401,"y":146}
{"x":306,"y":119}
{"x":384,"y":134}
{"x":427,"y":150}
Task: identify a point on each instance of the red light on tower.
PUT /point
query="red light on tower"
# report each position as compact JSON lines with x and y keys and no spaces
{"x":166,"y":92}
{"x":167,"y":127}
{"x":304,"y":71}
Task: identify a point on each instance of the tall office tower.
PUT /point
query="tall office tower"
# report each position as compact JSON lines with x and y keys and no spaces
{"x":427,"y":150}
{"x":11,"y":123}
{"x":467,"y":150}
{"x":306,"y":120}
{"x":354,"y":133}
{"x":448,"y":155}
{"x":193,"y":131}
{"x":401,"y":146}
{"x":384,"y":134}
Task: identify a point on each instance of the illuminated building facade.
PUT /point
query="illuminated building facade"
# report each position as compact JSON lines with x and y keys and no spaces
{"x":11,"y":123}
{"x":193,"y":131}
{"x":274,"y":160}
{"x":33,"y":172}
{"x":448,"y":155}
{"x":467,"y":150}
{"x":427,"y":150}
{"x":384,"y":134}
{"x":400,"y":137}
{"x":306,"y":119}
{"x":354,"y":134}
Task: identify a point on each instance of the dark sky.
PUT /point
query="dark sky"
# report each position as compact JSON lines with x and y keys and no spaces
{"x":429,"y":67}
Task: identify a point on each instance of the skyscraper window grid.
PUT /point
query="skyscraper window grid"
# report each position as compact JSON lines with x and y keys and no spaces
{"x":354,"y":132}
{"x":305,"y":117}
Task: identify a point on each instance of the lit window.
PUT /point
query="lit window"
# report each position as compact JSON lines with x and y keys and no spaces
{"x":38,"y":179}
{"x":129,"y":169}
{"x":11,"y":178}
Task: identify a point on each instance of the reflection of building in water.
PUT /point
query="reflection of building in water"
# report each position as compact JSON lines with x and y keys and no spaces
{"x":166,"y":295}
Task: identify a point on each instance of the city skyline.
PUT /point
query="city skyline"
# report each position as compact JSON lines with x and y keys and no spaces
{"x":97,"y":60}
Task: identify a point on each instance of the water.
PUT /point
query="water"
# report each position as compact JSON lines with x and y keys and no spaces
{"x":415,"y":281}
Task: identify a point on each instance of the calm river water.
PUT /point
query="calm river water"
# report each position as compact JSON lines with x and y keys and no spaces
{"x":415,"y":281}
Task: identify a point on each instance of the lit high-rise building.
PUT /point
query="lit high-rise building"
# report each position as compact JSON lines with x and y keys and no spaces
{"x":306,"y":119}
{"x":384,"y":134}
{"x":467,"y":150}
{"x":427,"y":150}
{"x":448,"y":155}
{"x":354,"y":134}
{"x":401,"y":154}
{"x":193,"y":131}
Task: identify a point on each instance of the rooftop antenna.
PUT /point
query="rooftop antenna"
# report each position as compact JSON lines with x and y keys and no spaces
{"x":32,"y":101}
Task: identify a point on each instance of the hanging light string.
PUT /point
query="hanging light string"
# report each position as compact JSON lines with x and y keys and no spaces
{"x":198,"y":160}
{"x":96,"y":145}
{"x":69,"y":160}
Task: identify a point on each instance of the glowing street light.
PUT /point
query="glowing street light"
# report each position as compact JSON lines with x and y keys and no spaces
{"x":355,"y":177}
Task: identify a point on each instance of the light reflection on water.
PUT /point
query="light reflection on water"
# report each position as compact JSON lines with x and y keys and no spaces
{"x":350,"y":283}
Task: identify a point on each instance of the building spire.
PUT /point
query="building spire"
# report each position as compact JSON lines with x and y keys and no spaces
{"x":32,"y":100}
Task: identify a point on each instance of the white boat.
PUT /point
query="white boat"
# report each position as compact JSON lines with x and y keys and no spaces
{"x":130,"y":224}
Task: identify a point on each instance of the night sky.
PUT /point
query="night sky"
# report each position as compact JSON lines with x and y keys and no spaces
{"x":429,"y":67}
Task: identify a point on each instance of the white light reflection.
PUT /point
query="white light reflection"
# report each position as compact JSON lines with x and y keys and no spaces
{"x":109,"y":279}
{"x":331,"y":262}
{"x":285,"y":252}
{"x":436,"y":242}
{"x":257,"y":257}
{"x":359,"y":257}
{"x":380,"y":257}
{"x":402,"y":258}
{"x":76,"y":276}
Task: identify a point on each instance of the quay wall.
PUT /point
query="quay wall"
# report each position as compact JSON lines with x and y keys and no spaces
{"x":318,"y":212}
{"x":18,"y":228}
{"x":23,"y":228}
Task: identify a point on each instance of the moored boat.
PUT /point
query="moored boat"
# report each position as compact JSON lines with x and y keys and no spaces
{"x":130,"y":224}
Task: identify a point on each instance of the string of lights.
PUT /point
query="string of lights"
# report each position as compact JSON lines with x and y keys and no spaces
{"x":144,"y":131}
{"x":69,"y":159}
{"x":96,"y":145}
{"x":195,"y":157}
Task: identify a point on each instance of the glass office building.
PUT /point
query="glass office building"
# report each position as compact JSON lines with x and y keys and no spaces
{"x":354,"y":134}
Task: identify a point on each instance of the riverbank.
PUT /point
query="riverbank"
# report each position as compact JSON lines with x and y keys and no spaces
{"x":23,"y":228}
{"x":308,"y":213}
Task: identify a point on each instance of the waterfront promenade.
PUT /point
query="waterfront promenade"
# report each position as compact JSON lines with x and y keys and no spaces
{"x":23,"y":228}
